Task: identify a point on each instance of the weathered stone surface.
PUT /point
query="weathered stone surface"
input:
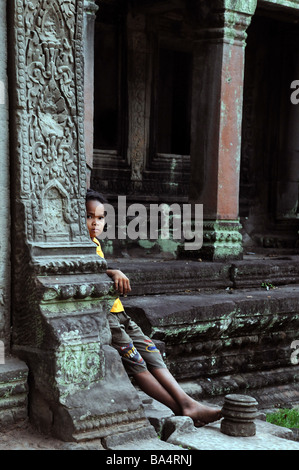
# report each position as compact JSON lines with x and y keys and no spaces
{"x":181,"y":424}
{"x":209,"y":335}
{"x":13,"y":391}
{"x":215,"y":164}
{"x":138,"y":440}
{"x":268,"y":437}
{"x":75,"y":374}
{"x":5,"y":216}
{"x":239,"y":413}
{"x":276,"y":271}
{"x":60,"y":289}
{"x":155,"y":412}
{"x":154,"y":276}
{"x":210,"y":438}
{"x":264,"y":427}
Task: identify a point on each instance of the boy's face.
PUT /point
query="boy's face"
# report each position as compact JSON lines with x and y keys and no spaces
{"x":95,"y":212}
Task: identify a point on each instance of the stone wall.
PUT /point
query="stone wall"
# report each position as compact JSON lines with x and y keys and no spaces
{"x":224,"y":328}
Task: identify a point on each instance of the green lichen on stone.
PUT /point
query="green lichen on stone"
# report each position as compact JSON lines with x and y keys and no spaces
{"x":78,"y":363}
{"x":241,"y":6}
{"x":222,"y":240}
{"x":168,"y":246}
{"x":147,"y":244}
{"x":107,"y":247}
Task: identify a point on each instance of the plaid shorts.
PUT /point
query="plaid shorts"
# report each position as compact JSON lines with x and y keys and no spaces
{"x":138,"y":352}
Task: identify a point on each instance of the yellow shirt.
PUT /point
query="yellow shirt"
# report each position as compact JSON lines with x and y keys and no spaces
{"x":117,"y":306}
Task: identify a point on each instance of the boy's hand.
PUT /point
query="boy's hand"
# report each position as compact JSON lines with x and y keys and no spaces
{"x":121,"y":282}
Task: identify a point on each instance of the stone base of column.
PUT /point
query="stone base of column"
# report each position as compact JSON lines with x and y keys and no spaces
{"x":14,"y":390}
{"x":78,"y":387}
{"x":222,"y":240}
{"x":80,"y":411}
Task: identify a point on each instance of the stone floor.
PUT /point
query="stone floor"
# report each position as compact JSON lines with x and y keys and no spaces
{"x":174,"y":434}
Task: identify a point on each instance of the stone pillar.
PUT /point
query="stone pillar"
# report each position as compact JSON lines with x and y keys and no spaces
{"x":4,"y":188}
{"x":90,"y":9}
{"x":138,"y":99}
{"x":78,"y":387}
{"x":216,"y":128}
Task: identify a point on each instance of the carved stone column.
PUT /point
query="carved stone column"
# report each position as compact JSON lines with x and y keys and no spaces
{"x":4,"y":188}
{"x":90,"y":9}
{"x":78,"y":387}
{"x":215,"y":155}
{"x":138,"y":103}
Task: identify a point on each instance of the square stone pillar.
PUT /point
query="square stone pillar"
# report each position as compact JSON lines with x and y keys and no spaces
{"x":216,"y":124}
{"x":5,"y":219}
{"x":78,"y":388}
{"x":90,"y":9}
{"x":138,"y":96}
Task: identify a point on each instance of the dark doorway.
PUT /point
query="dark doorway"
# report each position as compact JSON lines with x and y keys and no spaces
{"x":269,"y":164}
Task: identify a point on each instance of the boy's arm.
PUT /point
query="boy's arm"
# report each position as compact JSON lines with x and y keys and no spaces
{"x":121,"y":282}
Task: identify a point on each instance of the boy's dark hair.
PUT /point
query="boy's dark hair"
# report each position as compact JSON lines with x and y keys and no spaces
{"x":92,"y":195}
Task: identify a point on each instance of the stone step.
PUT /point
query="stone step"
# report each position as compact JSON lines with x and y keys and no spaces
{"x":149,"y":276}
{"x":223,"y":333}
{"x":210,"y":437}
{"x":13,"y":391}
{"x":134,"y":441}
{"x":189,"y":311}
{"x":278,"y":387}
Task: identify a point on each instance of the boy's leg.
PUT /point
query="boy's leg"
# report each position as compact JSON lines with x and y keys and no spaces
{"x":200,"y":414}
{"x":159,"y":381}
{"x":152,"y":387}
{"x":125,"y":335}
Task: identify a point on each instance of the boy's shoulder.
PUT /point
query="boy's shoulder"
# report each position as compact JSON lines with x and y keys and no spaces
{"x":98,"y":248}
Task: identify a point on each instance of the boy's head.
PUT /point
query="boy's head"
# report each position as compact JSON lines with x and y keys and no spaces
{"x":95,"y":212}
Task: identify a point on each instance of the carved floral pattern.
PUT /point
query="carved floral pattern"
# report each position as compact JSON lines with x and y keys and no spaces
{"x":50,"y":97}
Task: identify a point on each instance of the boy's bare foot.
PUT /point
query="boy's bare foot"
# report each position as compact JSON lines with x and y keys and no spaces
{"x":201,"y":414}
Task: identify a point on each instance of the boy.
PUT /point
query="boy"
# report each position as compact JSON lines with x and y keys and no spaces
{"x":140,"y":357}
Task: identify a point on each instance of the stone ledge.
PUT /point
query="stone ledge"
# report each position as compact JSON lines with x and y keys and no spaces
{"x":170,"y":311}
{"x":152,"y":276}
{"x":137,"y":440}
{"x":270,"y":388}
{"x":221,"y":334}
{"x":13,"y":391}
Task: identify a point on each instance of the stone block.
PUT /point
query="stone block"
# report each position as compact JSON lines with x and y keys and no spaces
{"x":228,"y":333}
{"x":13,"y":391}
{"x":274,"y":272}
{"x":239,"y":413}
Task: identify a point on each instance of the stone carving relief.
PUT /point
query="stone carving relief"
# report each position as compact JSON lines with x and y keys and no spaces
{"x":49,"y":69}
{"x":137,"y":91}
{"x":77,"y":361}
